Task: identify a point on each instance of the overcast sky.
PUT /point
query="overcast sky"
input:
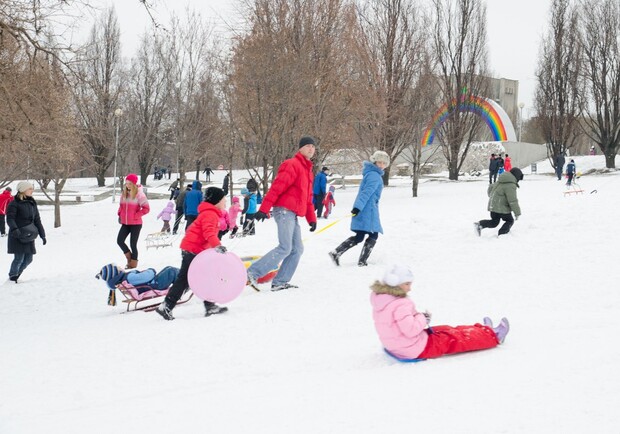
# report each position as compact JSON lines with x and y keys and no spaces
{"x":515,"y":28}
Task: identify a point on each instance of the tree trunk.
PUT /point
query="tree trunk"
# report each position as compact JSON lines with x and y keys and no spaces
{"x":610,"y":158}
{"x":57,"y":207}
{"x":100,"y":180}
{"x":453,"y":170}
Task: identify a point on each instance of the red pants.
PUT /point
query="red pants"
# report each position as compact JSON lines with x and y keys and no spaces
{"x":451,"y":340}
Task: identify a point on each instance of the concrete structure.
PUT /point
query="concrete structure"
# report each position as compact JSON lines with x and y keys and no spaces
{"x":505,"y":92}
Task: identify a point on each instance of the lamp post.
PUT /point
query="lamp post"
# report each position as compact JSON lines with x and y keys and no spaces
{"x":521,"y":105}
{"x":117,"y":116}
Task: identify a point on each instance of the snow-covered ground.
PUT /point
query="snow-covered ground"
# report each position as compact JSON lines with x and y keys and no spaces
{"x":308,"y":360}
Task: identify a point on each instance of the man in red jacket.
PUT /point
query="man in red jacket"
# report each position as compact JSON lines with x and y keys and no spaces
{"x":290,"y":196}
{"x":5,"y":198}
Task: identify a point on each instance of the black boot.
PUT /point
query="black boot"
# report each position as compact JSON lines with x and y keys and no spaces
{"x":165,"y":310}
{"x":366,"y":250}
{"x":346,"y":245}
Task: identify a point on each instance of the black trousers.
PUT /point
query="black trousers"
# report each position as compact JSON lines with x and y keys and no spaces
{"x":177,"y":220}
{"x":189,"y":219}
{"x":495,"y":218}
{"x":492,"y":177}
{"x":181,"y":284}
{"x":2,"y":224}
{"x":318,"y":203}
{"x":133,"y":231}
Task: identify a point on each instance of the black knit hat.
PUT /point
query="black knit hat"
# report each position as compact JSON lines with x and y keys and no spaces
{"x":306,"y":140}
{"x":516,"y":172}
{"x":213,"y":195}
{"x":324,"y":169}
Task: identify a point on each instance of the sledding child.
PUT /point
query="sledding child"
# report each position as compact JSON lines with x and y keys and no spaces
{"x":249,"y":209}
{"x":233,"y":212}
{"x":329,"y":201}
{"x":166,"y":216}
{"x":404,"y":332}
{"x":571,"y":170}
{"x":200,"y":235}
{"x":224,"y":224}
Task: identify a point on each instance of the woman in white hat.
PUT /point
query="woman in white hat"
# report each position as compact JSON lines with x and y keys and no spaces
{"x":22,"y":217}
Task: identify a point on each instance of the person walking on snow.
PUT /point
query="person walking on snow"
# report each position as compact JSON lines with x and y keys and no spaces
{"x":166,"y":215}
{"x":319,"y":189}
{"x":329,"y":202}
{"x":180,"y":206}
{"x":5,"y":198}
{"x":507,"y":164}
{"x":366,"y":220}
{"x":193,"y":198}
{"x":559,"y":165}
{"x":233,"y":213}
{"x":133,"y":205}
{"x":503,"y":202}
{"x":22,"y":213}
{"x":493,"y":169}
{"x":290,"y":196}
{"x":201,"y":235}
{"x":571,"y":171}
{"x":405,"y":333}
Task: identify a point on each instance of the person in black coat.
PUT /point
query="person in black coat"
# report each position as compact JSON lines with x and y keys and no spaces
{"x":493,"y":168}
{"x":20,"y":213}
{"x":225,"y":184}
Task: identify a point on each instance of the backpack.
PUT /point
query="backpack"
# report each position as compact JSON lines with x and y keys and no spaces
{"x":259,"y":198}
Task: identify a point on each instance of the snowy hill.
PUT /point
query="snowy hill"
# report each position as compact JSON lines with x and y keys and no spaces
{"x":308,"y":360}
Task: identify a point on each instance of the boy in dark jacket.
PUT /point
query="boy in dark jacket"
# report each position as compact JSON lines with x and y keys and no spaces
{"x":502,"y":202}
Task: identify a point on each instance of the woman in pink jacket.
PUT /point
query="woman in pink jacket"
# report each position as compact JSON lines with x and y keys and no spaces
{"x":133,"y":205}
{"x":404,"y":332}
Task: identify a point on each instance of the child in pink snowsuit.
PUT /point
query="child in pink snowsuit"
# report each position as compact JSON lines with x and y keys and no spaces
{"x":166,"y":216}
{"x":329,"y":201}
{"x":233,"y":212}
{"x":404,"y":332}
{"x":224,"y":223}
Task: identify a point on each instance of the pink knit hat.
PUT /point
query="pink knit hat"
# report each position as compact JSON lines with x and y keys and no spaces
{"x":133,"y":178}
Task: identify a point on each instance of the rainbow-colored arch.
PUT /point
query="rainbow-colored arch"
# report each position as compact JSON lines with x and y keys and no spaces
{"x":493,"y":115}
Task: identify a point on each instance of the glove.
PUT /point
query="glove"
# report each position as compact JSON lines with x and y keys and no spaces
{"x":312,"y":226}
{"x":44,"y":241}
{"x":220,"y":249}
{"x":355,"y":211}
{"x":260,"y":216}
{"x":428,"y":316}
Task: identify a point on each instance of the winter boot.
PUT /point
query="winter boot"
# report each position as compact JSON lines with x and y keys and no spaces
{"x":128,"y":256}
{"x":366,"y":250}
{"x":477,"y":228}
{"x":133,"y":263}
{"x":502,"y":330}
{"x":213,"y":309}
{"x":165,"y":310}
{"x":487,"y":322}
{"x":281,"y":286}
{"x":346,"y":245}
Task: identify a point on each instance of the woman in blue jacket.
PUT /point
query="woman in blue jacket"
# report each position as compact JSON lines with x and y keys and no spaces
{"x":366,"y":221}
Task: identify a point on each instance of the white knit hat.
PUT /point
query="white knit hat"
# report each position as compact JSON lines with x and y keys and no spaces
{"x":397,"y":274}
{"x":22,"y":186}
{"x":381,"y":156}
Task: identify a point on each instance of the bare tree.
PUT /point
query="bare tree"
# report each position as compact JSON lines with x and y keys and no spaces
{"x":460,"y":55}
{"x":560,"y":87}
{"x":395,"y":45}
{"x":97,"y":92}
{"x":146,"y":105}
{"x":600,"y":35}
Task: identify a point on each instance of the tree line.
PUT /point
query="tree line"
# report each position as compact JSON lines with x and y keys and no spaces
{"x":364,"y":75}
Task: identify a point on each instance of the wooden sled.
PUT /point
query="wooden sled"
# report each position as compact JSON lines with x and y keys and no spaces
{"x":159,"y":239}
{"x":148,"y":300}
{"x":573,"y":189}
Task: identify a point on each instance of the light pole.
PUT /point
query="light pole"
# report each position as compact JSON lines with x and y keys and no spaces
{"x":117,"y":115}
{"x":521,"y":105}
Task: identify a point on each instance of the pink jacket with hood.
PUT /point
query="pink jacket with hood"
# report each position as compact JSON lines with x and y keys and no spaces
{"x":166,"y":213}
{"x":400,"y":326}
{"x":233,"y":212}
{"x":131,"y":210}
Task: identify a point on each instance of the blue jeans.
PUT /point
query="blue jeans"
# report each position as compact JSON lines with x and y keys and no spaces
{"x":289,"y":250}
{"x":19,"y":264}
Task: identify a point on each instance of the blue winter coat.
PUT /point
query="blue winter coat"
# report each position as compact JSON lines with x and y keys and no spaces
{"x":367,"y":200}
{"x":193,"y":199}
{"x":320,"y":183}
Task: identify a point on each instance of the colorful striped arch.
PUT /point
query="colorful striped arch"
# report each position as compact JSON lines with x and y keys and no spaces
{"x":492,"y":113}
